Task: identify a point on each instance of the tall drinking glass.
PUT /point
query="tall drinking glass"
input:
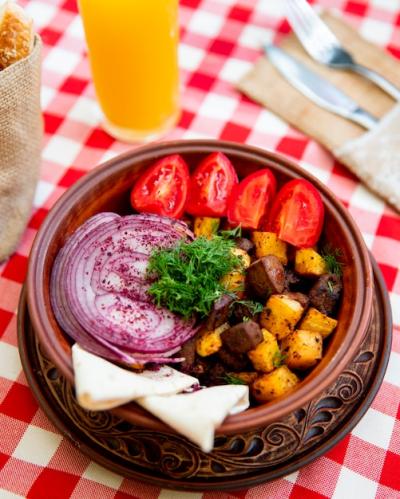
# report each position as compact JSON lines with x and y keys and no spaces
{"x":132,"y":48}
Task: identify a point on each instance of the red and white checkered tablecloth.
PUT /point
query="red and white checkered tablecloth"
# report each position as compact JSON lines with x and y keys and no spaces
{"x":219,"y":42}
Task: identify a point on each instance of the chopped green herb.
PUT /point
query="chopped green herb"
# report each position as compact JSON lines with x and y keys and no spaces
{"x":278,"y":359}
{"x":233,"y":380}
{"x":188,"y":275}
{"x":331,"y":257}
{"x":330,"y":287}
{"x":254,"y":307}
{"x":246,"y":319}
{"x":232,"y":233}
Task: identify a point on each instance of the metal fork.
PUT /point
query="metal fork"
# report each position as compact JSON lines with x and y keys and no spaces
{"x":323,"y":46}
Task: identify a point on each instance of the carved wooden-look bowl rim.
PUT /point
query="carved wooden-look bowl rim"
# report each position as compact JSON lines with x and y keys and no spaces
{"x":107,"y":188}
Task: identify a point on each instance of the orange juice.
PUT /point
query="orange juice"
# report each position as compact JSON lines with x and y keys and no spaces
{"x":132,"y":48}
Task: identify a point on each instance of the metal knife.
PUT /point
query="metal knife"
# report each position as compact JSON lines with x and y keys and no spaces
{"x":317,"y":89}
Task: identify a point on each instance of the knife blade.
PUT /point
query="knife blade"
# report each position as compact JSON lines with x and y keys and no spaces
{"x":317,"y":89}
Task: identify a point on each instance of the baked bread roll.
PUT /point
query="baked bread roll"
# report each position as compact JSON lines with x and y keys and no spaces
{"x":16,"y":34}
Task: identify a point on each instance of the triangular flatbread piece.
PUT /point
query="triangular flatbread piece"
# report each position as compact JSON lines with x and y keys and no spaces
{"x":196,"y":415}
{"x":101,"y":385}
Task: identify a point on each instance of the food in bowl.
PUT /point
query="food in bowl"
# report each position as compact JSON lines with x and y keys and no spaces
{"x":107,"y":189}
{"x":250,"y":303}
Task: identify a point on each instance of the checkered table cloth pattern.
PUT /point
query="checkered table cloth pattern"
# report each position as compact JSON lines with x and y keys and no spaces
{"x":219,"y":42}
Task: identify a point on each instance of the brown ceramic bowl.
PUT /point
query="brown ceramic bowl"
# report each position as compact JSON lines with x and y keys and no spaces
{"x":107,"y":189}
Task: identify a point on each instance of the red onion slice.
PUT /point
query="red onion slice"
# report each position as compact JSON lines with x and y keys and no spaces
{"x":99,"y":289}
{"x":63,"y":316}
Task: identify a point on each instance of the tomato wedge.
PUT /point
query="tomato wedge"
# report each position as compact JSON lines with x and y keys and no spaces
{"x":297,"y":214}
{"x":162,"y":189}
{"x":249,"y":199}
{"x":210,"y":186}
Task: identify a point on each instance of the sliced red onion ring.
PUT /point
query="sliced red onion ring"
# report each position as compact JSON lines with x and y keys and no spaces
{"x":99,"y":289}
{"x":129,"y":234}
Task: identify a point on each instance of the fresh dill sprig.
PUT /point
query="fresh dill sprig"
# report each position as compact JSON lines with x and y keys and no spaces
{"x":233,"y":380}
{"x":232,"y":233}
{"x":331,"y":258}
{"x":188,"y":275}
{"x":278,"y":359}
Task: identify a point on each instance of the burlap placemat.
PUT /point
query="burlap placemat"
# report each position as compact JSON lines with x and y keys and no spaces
{"x":21,"y":130}
{"x":264,"y":84}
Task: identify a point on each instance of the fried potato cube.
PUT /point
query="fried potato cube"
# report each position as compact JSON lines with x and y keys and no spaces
{"x":268,"y":243}
{"x":309,"y":263}
{"x":235,"y":280}
{"x":317,"y":322}
{"x":302,"y":349}
{"x":270,"y":386}
{"x":247,"y":377}
{"x":265,"y":333}
{"x":265,"y":354}
{"x":210,"y":342}
{"x":205,"y":226}
{"x":243,"y":256}
{"x":281,"y":315}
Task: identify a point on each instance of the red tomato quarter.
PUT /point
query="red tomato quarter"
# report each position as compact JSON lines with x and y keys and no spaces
{"x":249,"y":199}
{"x":162,"y":189}
{"x":297,"y":214}
{"x":210,"y":186}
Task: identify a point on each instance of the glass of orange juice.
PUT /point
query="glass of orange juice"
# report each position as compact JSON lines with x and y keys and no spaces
{"x":133,"y":47}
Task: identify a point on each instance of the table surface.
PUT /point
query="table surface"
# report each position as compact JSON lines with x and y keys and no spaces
{"x":219,"y":42}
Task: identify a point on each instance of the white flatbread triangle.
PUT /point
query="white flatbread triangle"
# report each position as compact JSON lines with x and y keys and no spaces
{"x":101,"y":385}
{"x":196,"y":415}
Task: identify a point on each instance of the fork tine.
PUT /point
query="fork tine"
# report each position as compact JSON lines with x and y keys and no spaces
{"x":308,"y":14}
{"x":296,"y":21}
{"x":312,"y":32}
{"x":313,"y":22}
{"x":316,"y":40}
{"x":303,"y":28}
{"x":302,"y":18}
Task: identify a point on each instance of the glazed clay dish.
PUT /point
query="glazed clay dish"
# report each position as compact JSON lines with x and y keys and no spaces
{"x":107,"y":188}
